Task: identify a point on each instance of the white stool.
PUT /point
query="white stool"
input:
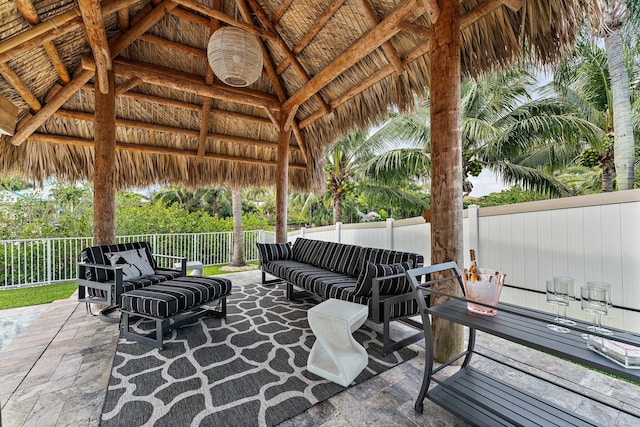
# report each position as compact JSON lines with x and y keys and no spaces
{"x":196,"y":266}
{"x":335,"y":355}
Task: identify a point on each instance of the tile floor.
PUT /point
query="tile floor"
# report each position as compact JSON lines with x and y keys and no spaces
{"x":56,"y":371}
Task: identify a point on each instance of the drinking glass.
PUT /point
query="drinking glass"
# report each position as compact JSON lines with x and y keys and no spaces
{"x":565,"y":286}
{"x":557,"y":297}
{"x":595,"y":299}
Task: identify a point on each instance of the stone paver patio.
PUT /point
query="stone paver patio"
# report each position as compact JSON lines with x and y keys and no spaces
{"x":55,"y":373}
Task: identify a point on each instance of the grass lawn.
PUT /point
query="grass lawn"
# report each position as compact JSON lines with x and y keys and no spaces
{"x":34,"y":295}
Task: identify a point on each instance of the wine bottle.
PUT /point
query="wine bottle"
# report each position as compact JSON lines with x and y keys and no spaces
{"x":473,"y":269}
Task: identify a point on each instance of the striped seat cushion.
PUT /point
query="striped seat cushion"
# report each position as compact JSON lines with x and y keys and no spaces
{"x":284,"y":268}
{"x":160,"y":275}
{"x":174,"y":296}
{"x":320,"y":281}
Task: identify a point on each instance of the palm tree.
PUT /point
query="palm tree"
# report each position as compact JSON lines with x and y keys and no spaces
{"x":341,"y":159}
{"x":520,"y":139}
{"x":616,"y":15}
{"x":237,"y":259}
{"x":584,"y":83}
{"x":192,"y":200}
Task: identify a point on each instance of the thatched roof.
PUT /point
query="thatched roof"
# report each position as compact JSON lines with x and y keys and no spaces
{"x":331,"y":66}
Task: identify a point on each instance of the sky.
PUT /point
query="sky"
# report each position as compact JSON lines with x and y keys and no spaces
{"x":485,"y":183}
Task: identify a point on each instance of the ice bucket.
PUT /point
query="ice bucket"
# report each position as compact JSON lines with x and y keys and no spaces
{"x":483,"y":286}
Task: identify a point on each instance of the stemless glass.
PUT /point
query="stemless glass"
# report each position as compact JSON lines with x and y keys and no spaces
{"x":557,"y":295}
{"x":565,"y":286}
{"x":595,"y":299}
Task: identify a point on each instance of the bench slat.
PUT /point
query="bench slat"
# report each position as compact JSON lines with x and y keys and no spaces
{"x":483,"y":400}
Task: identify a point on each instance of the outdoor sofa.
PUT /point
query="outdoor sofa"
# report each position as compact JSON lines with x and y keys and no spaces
{"x":370,"y":276}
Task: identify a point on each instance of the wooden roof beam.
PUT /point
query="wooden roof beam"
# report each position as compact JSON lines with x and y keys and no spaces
{"x":128,"y":85}
{"x":418,"y":30}
{"x":312,"y":32}
{"x":143,"y":66}
{"x":209,"y":78}
{"x":153,"y":127}
{"x":182,"y":81}
{"x":281,"y":11}
{"x":123,"y":40}
{"x":52,"y":28}
{"x":266,"y":57}
{"x":183,"y":13}
{"x":97,"y":39}
{"x":368,"y":42}
{"x":116,"y":45}
{"x":25,"y":93}
{"x":198,"y":7}
{"x":266,"y":22}
{"x":372,"y":20}
{"x":271,"y":72}
{"x":123,"y":19}
{"x":374,"y":78}
{"x":31,"y":16}
{"x":270,"y":100}
{"x":188,"y":106}
{"x":431,"y":8}
{"x":152,"y":149}
{"x":187,"y":50}
{"x":28,"y":126}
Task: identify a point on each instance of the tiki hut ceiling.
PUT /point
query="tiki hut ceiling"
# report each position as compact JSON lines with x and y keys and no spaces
{"x":330,"y":67}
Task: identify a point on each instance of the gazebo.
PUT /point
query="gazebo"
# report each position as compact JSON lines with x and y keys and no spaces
{"x":121,"y":93}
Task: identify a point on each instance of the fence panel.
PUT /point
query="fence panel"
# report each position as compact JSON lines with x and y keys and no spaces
{"x":40,"y":261}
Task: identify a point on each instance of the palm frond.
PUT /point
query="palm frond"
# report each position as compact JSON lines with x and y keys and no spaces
{"x":530,"y":179}
{"x":392,"y":197}
{"x":396,"y":166}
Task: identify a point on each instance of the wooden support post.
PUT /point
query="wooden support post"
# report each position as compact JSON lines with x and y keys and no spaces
{"x":8,"y":116}
{"x":104,"y":188}
{"x":282,"y":184}
{"x":446,"y":167}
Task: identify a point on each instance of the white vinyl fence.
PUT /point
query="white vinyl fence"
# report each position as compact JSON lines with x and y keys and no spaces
{"x":589,"y":238}
{"x":39,"y":261}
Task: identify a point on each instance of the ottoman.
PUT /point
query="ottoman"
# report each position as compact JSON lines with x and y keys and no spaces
{"x":172,"y":304}
{"x":335,"y":355}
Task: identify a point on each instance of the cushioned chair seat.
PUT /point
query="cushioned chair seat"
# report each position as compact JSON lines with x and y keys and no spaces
{"x":320,"y":282}
{"x":284,"y":268}
{"x":175,"y":296}
{"x":161,"y":275}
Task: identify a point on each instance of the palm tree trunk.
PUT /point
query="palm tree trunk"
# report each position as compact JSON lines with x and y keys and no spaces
{"x":446,"y":167}
{"x":624,"y":148}
{"x":237,"y":260}
{"x":608,"y":172}
{"x":337,"y":207}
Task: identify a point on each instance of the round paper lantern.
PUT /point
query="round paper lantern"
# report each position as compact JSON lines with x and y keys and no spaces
{"x":235,"y":56}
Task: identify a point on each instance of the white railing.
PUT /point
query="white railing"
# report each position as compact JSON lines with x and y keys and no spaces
{"x":40,"y":261}
{"x":594,"y":237}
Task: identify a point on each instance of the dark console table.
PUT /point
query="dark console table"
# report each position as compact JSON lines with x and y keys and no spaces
{"x":481,"y":399}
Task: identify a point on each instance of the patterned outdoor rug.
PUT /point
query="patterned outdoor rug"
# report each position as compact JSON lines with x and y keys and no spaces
{"x":247,"y":370}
